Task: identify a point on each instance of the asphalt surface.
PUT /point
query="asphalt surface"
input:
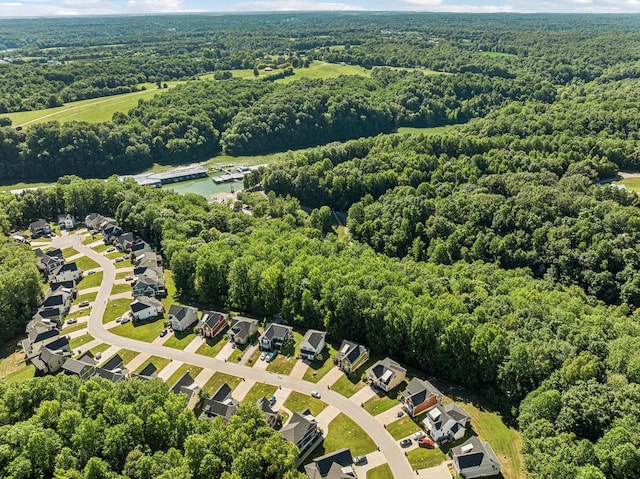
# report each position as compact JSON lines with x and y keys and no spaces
{"x":387,"y":445}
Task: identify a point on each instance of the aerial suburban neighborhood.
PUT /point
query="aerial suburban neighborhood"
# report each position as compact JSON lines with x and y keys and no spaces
{"x":64,"y":337}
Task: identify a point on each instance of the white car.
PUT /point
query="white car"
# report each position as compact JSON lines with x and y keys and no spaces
{"x":263,"y":356}
{"x":418,"y":435}
{"x":315,"y":394}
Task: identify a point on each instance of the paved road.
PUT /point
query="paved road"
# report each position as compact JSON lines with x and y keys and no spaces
{"x":387,"y":445}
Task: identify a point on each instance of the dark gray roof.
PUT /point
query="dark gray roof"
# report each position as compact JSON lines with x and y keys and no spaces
{"x":313,"y":338}
{"x":384,"y":365}
{"x":264,"y":406}
{"x":149,"y":371}
{"x":277,"y":331}
{"x":223,"y":393}
{"x":144,"y":302}
{"x":116,"y":362}
{"x":419,"y":390}
{"x":75,"y":366}
{"x":87,"y":357}
{"x":220,"y":404}
{"x":240,"y":326}
{"x":330,"y":465}
{"x":38,"y":224}
{"x":212,"y":318}
{"x":113,"y":376}
{"x":66,"y":267}
{"x":70,"y":285}
{"x":40,"y":334}
{"x":350,"y":350}
{"x":185,"y":384}
{"x":475,"y":455}
{"x":298,"y":426}
{"x":181,"y":312}
{"x":61,"y":343}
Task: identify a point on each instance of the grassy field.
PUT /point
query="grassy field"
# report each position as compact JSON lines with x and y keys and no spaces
{"x":344,"y":432}
{"x":85,"y":297}
{"x":348,"y":385}
{"x":115,"y":309}
{"x":73,"y":327}
{"x":377,"y":405}
{"x":299,"y":402}
{"x":100,"y":348}
{"x":126,"y":354}
{"x":95,"y":110}
{"x":220,"y":378}
{"x":325,"y":70}
{"x":12,"y":364}
{"x":80,"y":341}
{"x":91,"y":280}
{"x":114,"y":254}
{"x":93,"y":239}
{"x":320,"y":367}
{"x":79,"y":313}
{"x":171,"y":290}
{"x":193,"y":370}
{"x":212,"y":347}
{"x":383,"y":471}
{"x":434,"y":130}
{"x":181,"y":339}
{"x":22,"y":186}
{"x":142,"y":331}
{"x":402,"y":427}
{"x":68,"y":252}
{"x":85,"y":263}
{"x":100,"y":248}
{"x":121,"y":288}
{"x":259,"y":390}
{"x":421,"y":457}
{"x":26,"y":372}
{"x":496,"y":54}
{"x":237,"y":353}
{"x":158,"y":362}
{"x":632,"y":184}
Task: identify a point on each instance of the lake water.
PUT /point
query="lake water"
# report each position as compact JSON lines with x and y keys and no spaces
{"x":203,"y":186}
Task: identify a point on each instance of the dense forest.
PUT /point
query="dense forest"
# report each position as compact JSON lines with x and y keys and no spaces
{"x":488,"y":254}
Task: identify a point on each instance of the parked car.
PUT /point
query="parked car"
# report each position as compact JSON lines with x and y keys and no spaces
{"x":126,"y":319}
{"x":400,"y":413}
{"x":72,"y":321}
{"x":110,"y":250}
{"x":270,"y":356}
{"x":315,"y":394}
{"x":272,"y":400}
{"x":418,"y":435}
{"x":83,"y":304}
{"x":163,"y":333}
{"x":263,"y":356}
{"x":98,"y":356}
{"x":119,"y":259}
{"x":120,"y":319}
{"x":359,"y":459}
{"x":128,"y":278}
{"x":91,"y":271}
{"x":405,"y":442}
{"x":426,"y":442}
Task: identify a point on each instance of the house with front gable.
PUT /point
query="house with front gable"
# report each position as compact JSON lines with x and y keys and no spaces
{"x":145,"y":286}
{"x":335,"y":465}
{"x":52,"y":356}
{"x":350,"y":356}
{"x":474,"y":459}
{"x":301,"y":430}
{"x":386,"y":374}
{"x":275,"y":335}
{"x":39,"y":228}
{"x":270,"y":415}
{"x":447,"y":422}
{"x":37,"y":338}
{"x":221,"y":404}
{"x":145,"y":307}
{"x":187,"y":385}
{"x":59,"y":300}
{"x":182,"y":317}
{"x":53,"y":316}
{"x":420,"y":396}
{"x":48,"y":261}
{"x":84,"y":367}
{"x":149,"y":372}
{"x":312,"y":344}
{"x":66,"y":272}
{"x":212,"y":323}
{"x":67,"y":221}
{"x":242,"y":330}
{"x":92,"y":221}
{"x":113,"y":370}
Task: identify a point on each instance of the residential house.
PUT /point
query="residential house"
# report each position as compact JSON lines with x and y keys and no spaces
{"x":350,"y":356}
{"x":275,"y":335}
{"x":301,"y":430}
{"x":144,"y":307}
{"x":447,"y":422}
{"x":420,"y":396}
{"x":49,"y":261}
{"x":140,"y":247}
{"x":39,"y":228}
{"x":145,"y":286}
{"x":150,"y":371}
{"x":335,"y":465}
{"x":40,"y":322}
{"x":66,"y":272}
{"x":242,"y":329}
{"x":52,"y":356}
{"x":58,"y":299}
{"x":188,"y":386}
{"x":47,"y":316}
{"x":67,"y":221}
{"x":386,"y":374}
{"x":475,"y":458}
{"x":149,"y":259}
{"x":110,"y":231}
{"x":221,"y":404}
{"x":270,"y":415}
{"x":125,"y":241}
{"x":182,"y":317}
{"x":113,"y":370}
{"x":212,"y":323}
{"x":84,"y":367}
{"x":37,"y":338}
{"x":312,"y":344}
{"x":68,"y":287}
{"x":92,"y":221}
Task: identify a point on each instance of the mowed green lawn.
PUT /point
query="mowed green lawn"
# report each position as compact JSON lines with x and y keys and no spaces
{"x":320,"y":367}
{"x":383,"y":471}
{"x":632,"y":184}
{"x":212,"y":347}
{"x":141,"y":331}
{"x":157,"y":361}
{"x":218,"y":379}
{"x":259,"y":390}
{"x":95,"y":110}
{"x":90,"y":280}
{"x":193,"y":371}
{"x":403,"y":427}
{"x":325,"y":70}
{"x":299,"y":402}
{"x":115,"y":309}
{"x":344,"y":432}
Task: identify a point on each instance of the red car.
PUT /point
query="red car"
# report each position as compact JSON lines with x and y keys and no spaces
{"x":426,"y":442}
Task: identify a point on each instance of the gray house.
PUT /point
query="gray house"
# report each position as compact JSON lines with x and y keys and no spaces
{"x":275,"y":335}
{"x":270,"y":415}
{"x":52,"y":356}
{"x":221,"y":404}
{"x":242,"y":329}
{"x":150,"y":371}
{"x":335,"y":465}
{"x":182,"y":317}
{"x":475,"y":459}
{"x":312,"y":344}
{"x":37,"y":338}
{"x":187,"y":385}
{"x":301,"y":430}
{"x":39,"y":228}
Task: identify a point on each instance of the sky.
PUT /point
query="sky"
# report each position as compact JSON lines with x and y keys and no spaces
{"x":39,"y":8}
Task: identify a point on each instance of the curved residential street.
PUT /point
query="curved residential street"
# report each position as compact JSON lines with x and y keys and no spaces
{"x":392,"y":451}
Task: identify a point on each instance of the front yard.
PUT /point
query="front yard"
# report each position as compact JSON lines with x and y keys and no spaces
{"x":344,"y":432}
{"x":158,"y":362}
{"x":286,"y":359}
{"x":218,"y":379}
{"x":85,"y":263}
{"x":259,"y":390}
{"x":379,"y":404}
{"x":320,"y":367}
{"x":140,"y":330}
{"x":115,"y":309}
{"x":193,"y":371}
{"x":381,"y":472}
{"x":212,"y":347}
{"x":299,"y":402}
{"x":181,"y":339}
{"x":90,"y":280}
{"x":121,"y":288}
{"x":80,"y":341}
{"x":402,"y":427}
{"x":421,"y":458}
